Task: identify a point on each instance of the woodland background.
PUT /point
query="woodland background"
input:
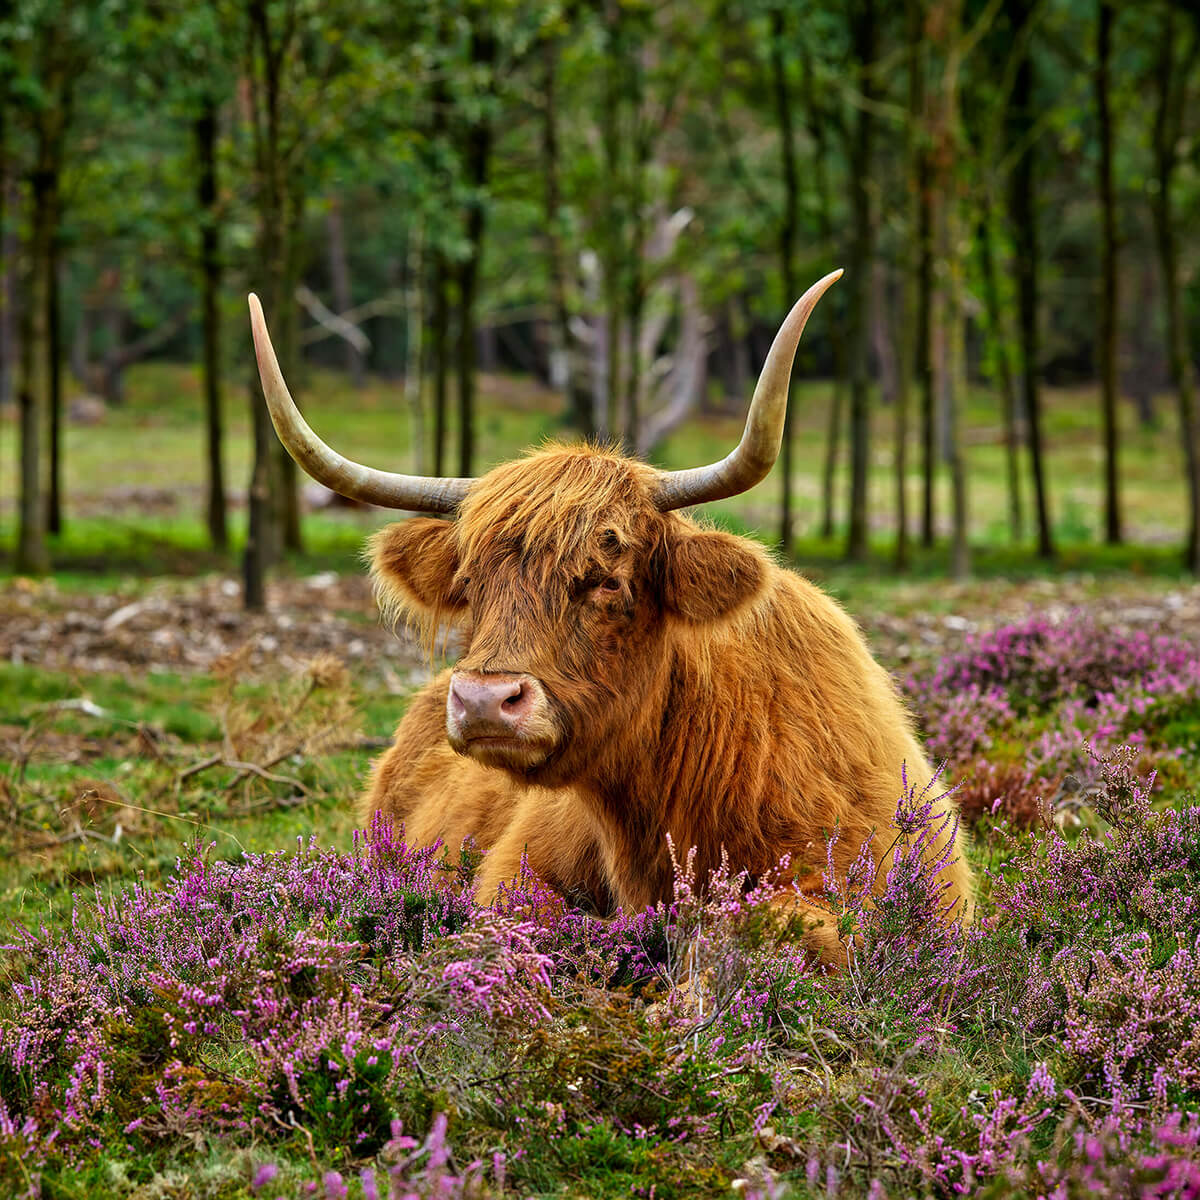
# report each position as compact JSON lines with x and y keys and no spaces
{"x":618,"y":200}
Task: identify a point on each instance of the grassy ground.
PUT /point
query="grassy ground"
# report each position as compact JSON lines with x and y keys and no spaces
{"x":133,"y":482}
{"x":131,"y":725}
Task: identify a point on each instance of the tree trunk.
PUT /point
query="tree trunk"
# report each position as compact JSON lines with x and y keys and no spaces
{"x":564,"y":372}
{"x":635,"y":284}
{"x":1024,"y":217}
{"x":339,"y":278}
{"x":287,"y":472}
{"x":922,"y":358}
{"x":913,"y":148}
{"x":1142,"y":378}
{"x":439,"y":348}
{"x":787,"y":249}
{"x":1009,"y":402}
{"x":205,"y":133}
{"x":833,"y":445}
{"x":863,"y":35}
{"x":33,"y":399}
{"x":7,"y":258}
{"x":54,"y":498}
{"x":263,"y":536}
{"x":1108,"y":283}
{"x":9,"y":253}
{"x":1171,"y":78}
{"x":414,"y":356}
{"x":948,"y":328}
{"x":613,"y":257}
{"x":818,"y":129}
{"x":478,"y":162}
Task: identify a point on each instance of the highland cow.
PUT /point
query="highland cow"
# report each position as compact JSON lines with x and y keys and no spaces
{"x":631,"y":679}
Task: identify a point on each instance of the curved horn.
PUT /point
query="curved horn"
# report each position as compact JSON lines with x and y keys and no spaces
{"x":414,"y":492}
{"x":755,"y":454}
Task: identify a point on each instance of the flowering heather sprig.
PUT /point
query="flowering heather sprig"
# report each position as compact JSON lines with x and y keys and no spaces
{"x":904,"y":949}
{"x":1103,"y":1160}
{"x":416,"y":1171}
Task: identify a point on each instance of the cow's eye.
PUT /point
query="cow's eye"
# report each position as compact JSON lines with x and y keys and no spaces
{"x":611,"y":584}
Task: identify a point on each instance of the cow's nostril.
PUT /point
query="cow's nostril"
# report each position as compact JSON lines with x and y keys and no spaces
{"x":477,"y":701}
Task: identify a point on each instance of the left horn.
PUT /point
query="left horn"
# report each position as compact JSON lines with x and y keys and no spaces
{"x":416,"y":493}
{"x":755,"y":454}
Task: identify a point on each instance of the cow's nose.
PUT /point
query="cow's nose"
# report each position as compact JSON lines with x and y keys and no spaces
{"x":496,"y":700}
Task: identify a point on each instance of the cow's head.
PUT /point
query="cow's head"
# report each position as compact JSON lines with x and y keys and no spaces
{"x":564,"y":577}
{"x":564,"y":570}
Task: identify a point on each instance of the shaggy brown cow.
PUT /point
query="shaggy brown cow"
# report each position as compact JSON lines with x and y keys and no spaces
{"x":629,"y":674}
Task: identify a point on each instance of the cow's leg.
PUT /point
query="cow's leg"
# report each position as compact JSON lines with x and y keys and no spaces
{"x":552,"y":834}
{"x":401,"y":775}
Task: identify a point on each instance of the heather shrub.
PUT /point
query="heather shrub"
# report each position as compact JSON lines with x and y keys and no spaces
{"x":1027,"y":712}
{"x":358,"y":1026}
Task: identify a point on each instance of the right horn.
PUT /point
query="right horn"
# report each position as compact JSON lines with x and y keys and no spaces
{"x":755,"y":454}
{"x":417,"y":493}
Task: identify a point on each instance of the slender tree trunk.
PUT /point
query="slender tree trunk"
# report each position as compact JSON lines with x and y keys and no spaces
{"x":948,"y":325}
{"x":414,"y":356}
{"x":1009,"y":402}
{"x":922,"y":358}
{"x":818,"y":129}
{"x":439,"y":327}
{"x":339,"y":278}
{"x":1024,"y":218}
{"x":787,"y":248}
{"x":914,"y":135}
{"x":6,"y":259}
{"x":205,"y":132}
{"x":635,"y":283}
{"x":263,"y":535}
{"x":614,"y":236}
{"x":1168,"y":125}
{"x":287,"y":472}
{"x":863,"y":35}
{"x":563,"y":367}
{"x":439,"y":349}
{"x":478,"y":162}
{"x":1108,"y":285}
{"x":833,"y":445}
{"x":9,"y":251}
{"x":468,"y":274}
{"x":33,"y":400}
{"x":54,"y":497}
{"x":36,"y":401}
{"x":1143,"y":345}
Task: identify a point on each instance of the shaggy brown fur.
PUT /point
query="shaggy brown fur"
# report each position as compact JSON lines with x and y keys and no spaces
{"x":695,"y":689}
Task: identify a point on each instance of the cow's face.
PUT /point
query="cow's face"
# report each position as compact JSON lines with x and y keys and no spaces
{"x":566,"y":582}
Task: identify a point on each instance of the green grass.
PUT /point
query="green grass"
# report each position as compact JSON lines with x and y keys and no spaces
{"x":128,"y":747}
{"x":134,"y":484}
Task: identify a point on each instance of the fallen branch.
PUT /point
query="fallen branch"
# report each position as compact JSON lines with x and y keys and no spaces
{"x":245,"y":770}
{"x":337,"y":326}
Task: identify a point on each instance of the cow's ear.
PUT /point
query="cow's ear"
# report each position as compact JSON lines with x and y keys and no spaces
{"x":709,"y":574}
{"x":413,"y":564}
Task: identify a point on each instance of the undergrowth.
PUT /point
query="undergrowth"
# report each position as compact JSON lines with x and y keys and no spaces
{"x":316,"y":1022}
